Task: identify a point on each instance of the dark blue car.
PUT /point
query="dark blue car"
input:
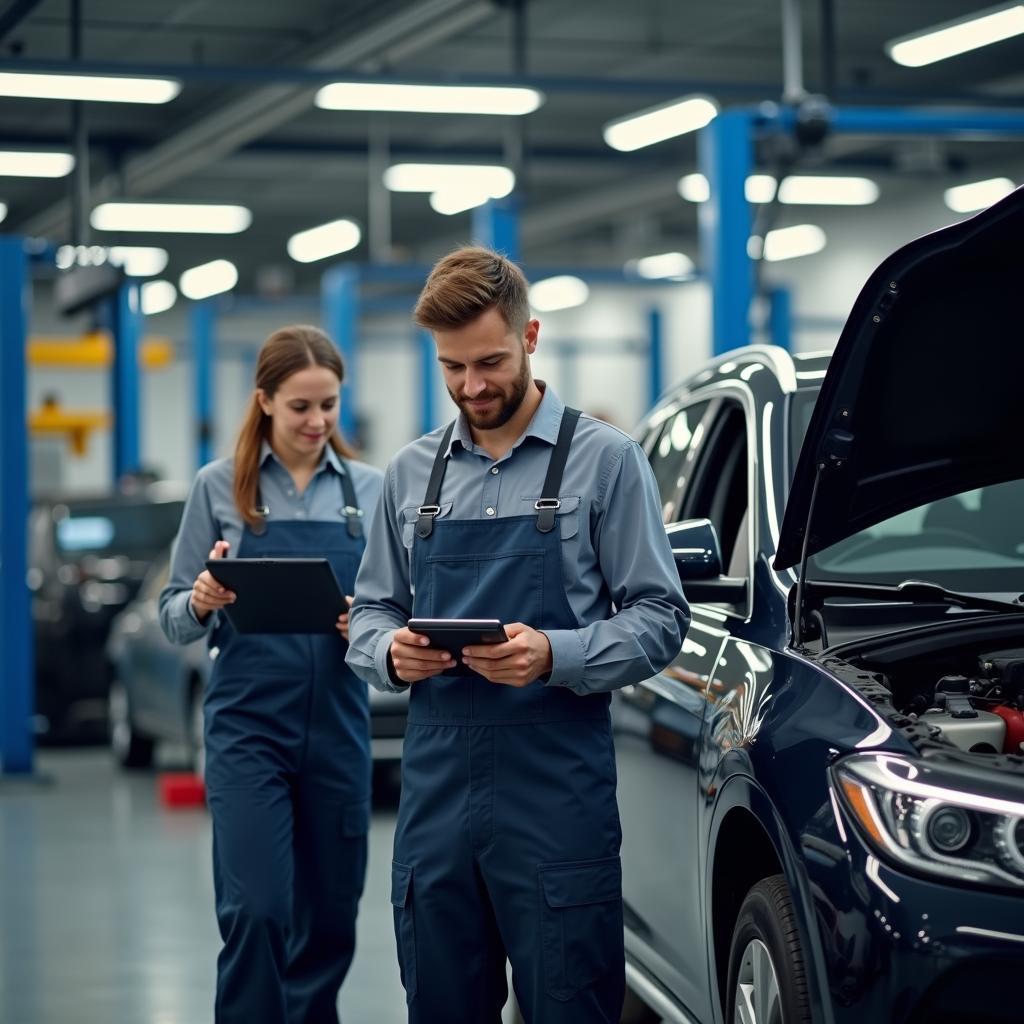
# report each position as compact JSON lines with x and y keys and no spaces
{"x":822,"y":797}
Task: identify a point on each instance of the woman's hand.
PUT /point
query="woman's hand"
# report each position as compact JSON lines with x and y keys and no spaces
{"x":413,"y":657}
{"x":207,"y":594}
{"x":342,"y":623}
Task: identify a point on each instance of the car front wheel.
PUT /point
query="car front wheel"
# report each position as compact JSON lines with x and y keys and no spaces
{"x":130,"y":748}
{"x":767,"y":981}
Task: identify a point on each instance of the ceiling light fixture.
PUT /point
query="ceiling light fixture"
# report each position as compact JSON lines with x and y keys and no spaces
{"x":979,"y":195}
{"x":208,"y":279}
{"x":139,"y":260}
{"x":671,"y":265}
{"x":797,"y":190}
{"x":330,"y":239}
{"x":561,"y":292}
{"x":185,"y":218}
{"x":90,"y":88}
{"x":961,"y":35}
{"x":656,"y":124}
{"x":23,"y":164}
{"x":451,"y":201}
{"x":789,"y":243}
{"x":493,"y":181}
{"x":157,"y":297}
{"x":429,"y":99}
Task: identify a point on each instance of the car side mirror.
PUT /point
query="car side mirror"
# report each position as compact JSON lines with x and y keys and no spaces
{"x":696,"y":550}
{"x":698,"y":558}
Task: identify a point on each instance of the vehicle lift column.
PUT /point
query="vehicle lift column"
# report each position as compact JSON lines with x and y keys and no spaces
{"x":17,"y":681}
{"x":203,"y":320}
{"x":125,"y":316}
{"x":339,"y":299}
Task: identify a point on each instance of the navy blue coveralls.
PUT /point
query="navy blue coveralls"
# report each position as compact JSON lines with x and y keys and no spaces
{"x":508,"y":832}
{"x":288,"y":784}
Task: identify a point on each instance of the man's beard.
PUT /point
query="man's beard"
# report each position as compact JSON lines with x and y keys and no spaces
{"x":508,"y":402}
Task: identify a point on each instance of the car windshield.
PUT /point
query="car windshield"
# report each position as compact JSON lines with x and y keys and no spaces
{"x":971,"y":542}
{"x":136,"y":530}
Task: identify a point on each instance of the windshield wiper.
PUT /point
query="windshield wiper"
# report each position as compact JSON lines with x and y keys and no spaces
{"x":913,"y":590}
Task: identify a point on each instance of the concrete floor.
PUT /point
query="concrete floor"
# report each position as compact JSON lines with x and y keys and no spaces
{"x":106,"y":904}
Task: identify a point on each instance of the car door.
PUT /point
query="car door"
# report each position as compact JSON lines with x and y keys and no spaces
{"x":658,"y":726}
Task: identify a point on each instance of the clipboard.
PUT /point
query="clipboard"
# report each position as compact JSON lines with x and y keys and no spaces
{"x":280,"y":595}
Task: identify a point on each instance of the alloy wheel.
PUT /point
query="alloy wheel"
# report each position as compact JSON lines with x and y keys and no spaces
{"x":758,"y":1000}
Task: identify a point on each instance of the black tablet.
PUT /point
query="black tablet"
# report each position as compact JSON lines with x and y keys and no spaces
{"x":280,"y":595}
{"x":452,"y":635}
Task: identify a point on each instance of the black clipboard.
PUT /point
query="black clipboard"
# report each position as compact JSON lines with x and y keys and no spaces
{"x":452,"y":635}
{"x":280,"y":595}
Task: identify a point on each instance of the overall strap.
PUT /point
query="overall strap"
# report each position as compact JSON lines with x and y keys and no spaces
{"x":549,"y":503}
{"x":430,"y":507}
{"x":352,"y":512}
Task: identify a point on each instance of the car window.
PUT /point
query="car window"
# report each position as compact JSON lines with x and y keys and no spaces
{"x":136,"y":529}
{"x":671,"y":449}
{"x":719,"y":486}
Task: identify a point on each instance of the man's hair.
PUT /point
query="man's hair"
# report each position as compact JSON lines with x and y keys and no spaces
{"x":468,"y":282}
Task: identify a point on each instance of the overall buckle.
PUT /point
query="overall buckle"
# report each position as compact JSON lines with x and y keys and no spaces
{"x":551,"y":503}
{"x":429,"y":510}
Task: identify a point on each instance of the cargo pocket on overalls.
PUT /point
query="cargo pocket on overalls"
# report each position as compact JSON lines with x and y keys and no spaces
{"x":405,"y":927}
{"x":581,"y":923}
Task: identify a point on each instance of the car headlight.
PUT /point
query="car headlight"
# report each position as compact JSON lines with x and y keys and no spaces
{"x":934,"y":819}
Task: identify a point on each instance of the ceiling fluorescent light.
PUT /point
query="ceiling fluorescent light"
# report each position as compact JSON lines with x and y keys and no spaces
{"x":788,"y":243}
{"x":979,"y":195}
{"x":826,"y":190}
{"x":800,"y":189}
{"x":158,"y":297}
{"x":208,"y":279}
{"x":91,"y":88}
{"x":451,"y":201}
{"x":330,"y":239}
{"x":476,"y":179}
{"x":197,"y":218}
{"x":560,"y":292}
{"x":20,"y":164}
{"x":959,"y":36}
{"x":656,"y":124}
{"x":664,"y":265}
{"x":429,"y":99}
{"x":139,"y":260}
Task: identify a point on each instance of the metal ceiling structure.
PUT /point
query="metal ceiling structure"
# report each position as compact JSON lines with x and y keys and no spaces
{"x":244,"y":127}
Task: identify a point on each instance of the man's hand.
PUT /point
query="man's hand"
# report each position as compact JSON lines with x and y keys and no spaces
{"x":413,"y":657}
{"x":342,"y":624}
{"x":525,"y":657}
{"x":207,"y":594}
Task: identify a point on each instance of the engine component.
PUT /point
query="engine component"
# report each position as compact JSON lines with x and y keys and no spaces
{"x":984,"y":731}
{"x":1014,"y":719}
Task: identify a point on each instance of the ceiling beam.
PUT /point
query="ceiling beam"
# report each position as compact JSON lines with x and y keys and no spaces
{"x":17,"y":12}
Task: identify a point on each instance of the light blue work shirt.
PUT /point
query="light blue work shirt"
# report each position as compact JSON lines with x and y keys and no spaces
{"x":211,"y":515}
{"x":614,"y":548}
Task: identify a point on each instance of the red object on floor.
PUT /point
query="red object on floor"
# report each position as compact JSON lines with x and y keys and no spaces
{"x":181,"y":789}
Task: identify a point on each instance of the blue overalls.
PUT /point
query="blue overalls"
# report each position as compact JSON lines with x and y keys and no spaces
{"x":508,"y":833}
{"x":288,"y":784}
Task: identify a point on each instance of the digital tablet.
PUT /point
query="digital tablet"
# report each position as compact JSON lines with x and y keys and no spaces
{"x":280,"y":595}
{"x":452,"y":635}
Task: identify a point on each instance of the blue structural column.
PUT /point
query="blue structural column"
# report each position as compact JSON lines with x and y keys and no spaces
{"x":496,"y":225}
{"x":17,"y":675}
{"x":203,"y":324}
{"x":428,"y":381}
{"x":654,"y":355}
{"x":126,"y":327}
{"x":339,"y":299}
{"x":725,"y":152}
{"x":780,"y":317}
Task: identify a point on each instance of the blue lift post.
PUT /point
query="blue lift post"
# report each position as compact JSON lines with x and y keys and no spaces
{"x":725,"y":149}
{"x":428,"y":381}
{"x":18,"y":677}
{"x":339,"y":300}
{"x":126,"y":327}
{"x":496,"y":225}
{"x":203,"y":319}
{"x":655,"y":370}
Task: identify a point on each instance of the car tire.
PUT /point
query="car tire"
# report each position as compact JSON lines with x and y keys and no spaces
{"x":767,"y":979}
{"x":131,"y":749}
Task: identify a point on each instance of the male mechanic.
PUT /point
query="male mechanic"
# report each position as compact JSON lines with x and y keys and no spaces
{"x":507,"y":842}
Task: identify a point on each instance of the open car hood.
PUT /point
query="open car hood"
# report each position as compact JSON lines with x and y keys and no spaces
{"x":924,"y":395}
